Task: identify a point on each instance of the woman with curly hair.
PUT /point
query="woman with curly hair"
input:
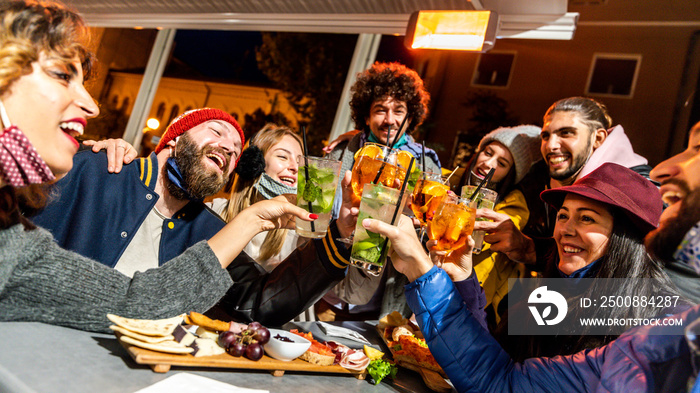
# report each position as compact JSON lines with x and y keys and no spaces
{"x":382,"y":97}
{"x":44,"y":106}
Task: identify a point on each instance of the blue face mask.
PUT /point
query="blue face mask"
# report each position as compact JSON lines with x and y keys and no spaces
{"x":176,"y":177}
{"x":270,"y":188}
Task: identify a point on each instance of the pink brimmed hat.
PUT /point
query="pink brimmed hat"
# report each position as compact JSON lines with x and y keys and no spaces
{"x":619,"y":187}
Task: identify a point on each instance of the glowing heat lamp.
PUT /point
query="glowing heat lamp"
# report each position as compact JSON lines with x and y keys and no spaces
{"x":456,"y":30}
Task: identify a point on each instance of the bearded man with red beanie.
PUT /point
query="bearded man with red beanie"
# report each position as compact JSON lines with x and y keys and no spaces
{"x":153,"y":210}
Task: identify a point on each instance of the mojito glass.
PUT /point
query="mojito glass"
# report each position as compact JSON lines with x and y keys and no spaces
{"x":316,"y":194}
{"x":486,"y":199}
{"x":369,"y":249}
{"x":452,"y":223}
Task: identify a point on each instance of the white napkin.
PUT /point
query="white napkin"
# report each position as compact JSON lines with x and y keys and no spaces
{"x":191,"y":383}
{"x":337,"y":331}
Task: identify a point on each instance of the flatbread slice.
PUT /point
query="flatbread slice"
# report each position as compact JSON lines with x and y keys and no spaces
{"x":142,"y":337}
{"x":165,"y":346}
{"x":148,"y":327}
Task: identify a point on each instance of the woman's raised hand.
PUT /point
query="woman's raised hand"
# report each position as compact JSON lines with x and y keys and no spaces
{"x":265,"y":215}
{"x":119,"y":152}
{"x":278,"y":212}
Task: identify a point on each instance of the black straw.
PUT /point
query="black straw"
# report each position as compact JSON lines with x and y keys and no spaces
{"x":398,"y":204}
{"x":484,"y":181}
{"x":391,"y":146}
{"x":306,"y":171}
{"x":422,"y":157}
{"x":398,"y":133}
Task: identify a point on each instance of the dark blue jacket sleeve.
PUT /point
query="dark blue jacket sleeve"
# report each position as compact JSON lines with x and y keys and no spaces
{"x":473,"y":297}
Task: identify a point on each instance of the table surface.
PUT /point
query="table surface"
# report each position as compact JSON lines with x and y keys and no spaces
{"x":36,"y":357}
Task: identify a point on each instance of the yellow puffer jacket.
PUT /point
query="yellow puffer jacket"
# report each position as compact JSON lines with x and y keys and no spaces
{"x":493,"y":268}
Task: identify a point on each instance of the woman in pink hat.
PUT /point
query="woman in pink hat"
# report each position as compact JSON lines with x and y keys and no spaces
{"x":600,"y":222}
{"x":599,"y":233}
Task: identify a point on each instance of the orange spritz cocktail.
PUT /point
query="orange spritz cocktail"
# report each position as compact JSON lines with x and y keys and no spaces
{"x":452,"y":223}
{"x":369,"y":161}
{"x":427,"y":195}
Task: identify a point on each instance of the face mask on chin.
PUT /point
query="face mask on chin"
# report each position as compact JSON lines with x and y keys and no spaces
{"x":270,"y":188}
{"x":188,"y":178}
{"x":20,"y":164}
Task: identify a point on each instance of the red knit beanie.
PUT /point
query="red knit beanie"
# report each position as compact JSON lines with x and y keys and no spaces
{"x":193,"y":118}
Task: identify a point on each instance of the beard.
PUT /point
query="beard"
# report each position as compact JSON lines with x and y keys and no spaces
{"x":200,"y":181}
{"x":577,"y":163}
{"x":663,"y":241}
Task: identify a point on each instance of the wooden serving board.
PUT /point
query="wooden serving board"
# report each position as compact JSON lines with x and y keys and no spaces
{"x":432,"y":379}
{"x":160,"y":362}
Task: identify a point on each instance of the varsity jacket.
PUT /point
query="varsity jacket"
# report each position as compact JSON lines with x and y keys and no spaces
{"x":96,"y":214}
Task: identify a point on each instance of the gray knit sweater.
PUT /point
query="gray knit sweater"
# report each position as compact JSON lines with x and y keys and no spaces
{"x":41,"y":282}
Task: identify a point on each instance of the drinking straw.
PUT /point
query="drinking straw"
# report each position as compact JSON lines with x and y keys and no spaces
{"x":403,"y":188}
{"x":306,"y":171}
{"x":422,"y":157}
{"x":451,"y":173}
{"x":398,"y":203}
{"x":398,"y":133}
{"x":484,"y":181}
{"x":391,"y":146}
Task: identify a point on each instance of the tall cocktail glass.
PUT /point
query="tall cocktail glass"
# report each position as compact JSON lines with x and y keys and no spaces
{"x":316,"y":195}
{"x":369,"y":249}
{"x":486,"y":199}
{"x":452,"y":223}
{"x":427,"y":195}
{"x":374,"y":163}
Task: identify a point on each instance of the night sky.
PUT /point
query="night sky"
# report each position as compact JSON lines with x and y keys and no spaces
{"x":230,"y":55}
{"x":225,"y":55}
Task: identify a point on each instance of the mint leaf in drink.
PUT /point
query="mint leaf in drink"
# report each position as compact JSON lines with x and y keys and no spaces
{"x":317,"y":189}
{"x":311,"y":191}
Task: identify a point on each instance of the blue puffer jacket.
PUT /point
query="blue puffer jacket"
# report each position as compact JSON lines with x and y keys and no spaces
{"x":646,"y":359}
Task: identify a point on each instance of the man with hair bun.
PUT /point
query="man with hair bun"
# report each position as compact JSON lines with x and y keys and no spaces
{"x":577,"y":137}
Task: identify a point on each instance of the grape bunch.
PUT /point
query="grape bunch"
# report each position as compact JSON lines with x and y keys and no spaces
{"x":248,"y":343}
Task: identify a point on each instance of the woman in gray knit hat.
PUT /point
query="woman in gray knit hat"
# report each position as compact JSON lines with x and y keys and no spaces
{"x":511,"y":151}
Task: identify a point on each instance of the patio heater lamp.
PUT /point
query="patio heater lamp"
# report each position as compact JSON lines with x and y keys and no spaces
{"x":454,"y":30}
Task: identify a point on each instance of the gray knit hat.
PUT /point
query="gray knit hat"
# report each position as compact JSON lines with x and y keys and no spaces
{"x":523,"y":143}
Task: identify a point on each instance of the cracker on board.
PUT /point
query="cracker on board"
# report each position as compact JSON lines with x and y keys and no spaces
{"x":148,"y":327}
{"x":142,"y":337}
{"x":165,"y":346}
